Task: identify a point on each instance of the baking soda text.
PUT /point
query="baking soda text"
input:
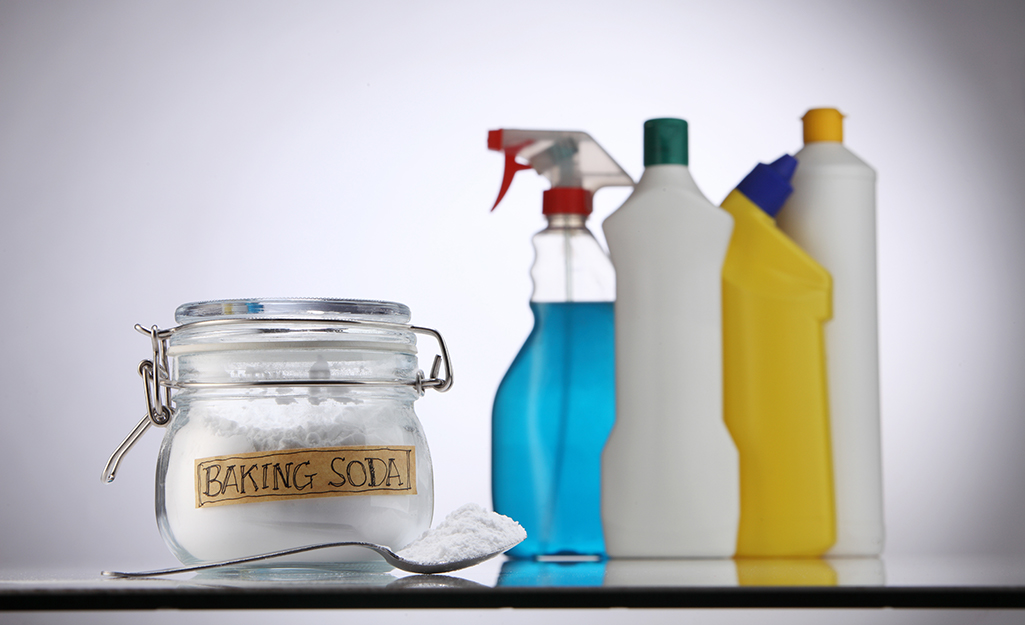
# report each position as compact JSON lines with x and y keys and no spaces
{"x":301,"y":473}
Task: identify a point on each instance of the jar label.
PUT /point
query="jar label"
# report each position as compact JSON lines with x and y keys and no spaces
{"x":303,"y":473}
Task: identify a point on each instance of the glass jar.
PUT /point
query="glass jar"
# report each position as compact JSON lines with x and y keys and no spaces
{"x":291,"y":424}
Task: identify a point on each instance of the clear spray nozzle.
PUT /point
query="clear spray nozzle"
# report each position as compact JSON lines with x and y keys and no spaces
{"x":569,"y":159}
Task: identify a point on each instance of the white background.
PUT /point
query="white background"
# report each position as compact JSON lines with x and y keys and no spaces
{"x":157,"y":153}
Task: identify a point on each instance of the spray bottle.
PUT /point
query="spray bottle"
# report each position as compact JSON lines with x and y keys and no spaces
{"x":776,"y":299}
{"x":556,"y":404}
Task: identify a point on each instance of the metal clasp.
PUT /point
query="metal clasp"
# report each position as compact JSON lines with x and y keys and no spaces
{"x":157,"y":384}
{"x":156,"y":378}
{"x":439,"y":384}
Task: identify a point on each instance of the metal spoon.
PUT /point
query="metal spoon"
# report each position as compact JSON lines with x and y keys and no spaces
{"x":389,"y":556}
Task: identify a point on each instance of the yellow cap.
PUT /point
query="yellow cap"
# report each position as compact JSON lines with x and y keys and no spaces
{"x":823,"y":125}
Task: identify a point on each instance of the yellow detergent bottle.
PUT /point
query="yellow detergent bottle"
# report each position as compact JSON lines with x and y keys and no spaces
{"x":775,"y":301}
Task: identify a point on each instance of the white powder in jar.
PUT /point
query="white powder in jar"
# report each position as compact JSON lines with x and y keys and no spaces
{"x":468,"y":532}
{"x":225,"y":427}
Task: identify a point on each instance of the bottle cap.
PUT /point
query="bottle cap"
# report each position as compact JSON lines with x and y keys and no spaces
{"x":768,"y":186}
{"x":823,"y":125}
{"x":665,"y":142}
{"x":566,"y":200}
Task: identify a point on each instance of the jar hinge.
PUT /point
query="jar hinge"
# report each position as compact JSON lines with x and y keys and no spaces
{"x":155,"y":382}
{"x":439,"y":384}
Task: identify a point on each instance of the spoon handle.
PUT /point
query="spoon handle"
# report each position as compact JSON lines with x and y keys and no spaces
{"x":388,"y":555}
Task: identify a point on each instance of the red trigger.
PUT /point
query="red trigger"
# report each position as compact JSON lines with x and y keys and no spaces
{"x":511,"y":167}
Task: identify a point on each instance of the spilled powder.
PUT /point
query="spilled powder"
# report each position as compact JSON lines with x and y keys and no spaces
{"x":468,"y":532}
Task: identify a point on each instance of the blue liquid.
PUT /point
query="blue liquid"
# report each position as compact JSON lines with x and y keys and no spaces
{"x":553,"y":413}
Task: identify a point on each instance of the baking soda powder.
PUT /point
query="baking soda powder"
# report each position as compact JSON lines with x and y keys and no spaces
{"x":468,"y":532}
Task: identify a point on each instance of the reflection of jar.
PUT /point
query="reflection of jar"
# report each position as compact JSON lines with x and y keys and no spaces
{"x":292,"y":424}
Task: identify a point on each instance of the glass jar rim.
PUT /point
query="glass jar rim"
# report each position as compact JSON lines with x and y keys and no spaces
{"x":276,"y":324}
{"x":286,"y":308}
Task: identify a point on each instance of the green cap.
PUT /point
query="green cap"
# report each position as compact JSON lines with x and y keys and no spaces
{"x":665,"y":141}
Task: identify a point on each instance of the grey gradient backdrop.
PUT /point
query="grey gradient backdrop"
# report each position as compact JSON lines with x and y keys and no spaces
{"x":157,"y":153}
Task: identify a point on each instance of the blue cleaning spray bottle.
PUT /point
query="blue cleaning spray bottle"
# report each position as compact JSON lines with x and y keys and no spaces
{"x":556,"y":404}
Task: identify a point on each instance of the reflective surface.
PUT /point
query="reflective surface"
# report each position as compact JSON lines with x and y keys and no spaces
{"x":962,"y":582}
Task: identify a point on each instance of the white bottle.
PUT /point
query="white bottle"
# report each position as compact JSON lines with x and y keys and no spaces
{"x":670,"y":476}
{"x":831,"y":214}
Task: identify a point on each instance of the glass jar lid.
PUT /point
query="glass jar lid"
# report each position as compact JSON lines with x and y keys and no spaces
{"x":293,"y":308}
{"x":283,"y":324}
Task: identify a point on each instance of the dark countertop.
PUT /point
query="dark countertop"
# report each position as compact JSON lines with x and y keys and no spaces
{"x":893,"y":581}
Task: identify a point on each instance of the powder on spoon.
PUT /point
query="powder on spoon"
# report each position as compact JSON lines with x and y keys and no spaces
{"x":468,"y":532}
